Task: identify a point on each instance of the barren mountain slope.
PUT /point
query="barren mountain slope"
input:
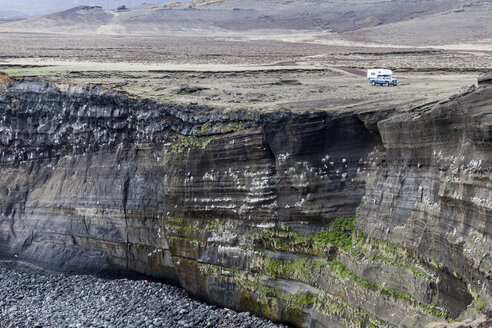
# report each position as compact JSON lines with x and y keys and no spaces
{"x":387,"y":20}
{"x":468,"y":23}
{"x":23,"y":8}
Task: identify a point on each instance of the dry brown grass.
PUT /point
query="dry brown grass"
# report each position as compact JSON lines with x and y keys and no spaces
{"x":4,"y":78}
{"x":245,"y":73}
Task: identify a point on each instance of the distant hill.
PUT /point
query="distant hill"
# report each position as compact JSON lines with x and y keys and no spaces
{"x":403,"y":21}
{"x":26,"y":8}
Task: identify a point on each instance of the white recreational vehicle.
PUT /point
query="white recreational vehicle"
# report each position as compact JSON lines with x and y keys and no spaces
{"x":381,"y":76}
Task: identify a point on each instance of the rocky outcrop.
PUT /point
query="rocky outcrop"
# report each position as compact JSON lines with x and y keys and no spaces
{"x":256,"y":211}
{"x":433,"y":193}
{"x":485,"y":79}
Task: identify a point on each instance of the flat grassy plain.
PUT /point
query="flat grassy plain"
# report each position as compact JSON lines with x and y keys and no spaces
{"x":297,"y":72}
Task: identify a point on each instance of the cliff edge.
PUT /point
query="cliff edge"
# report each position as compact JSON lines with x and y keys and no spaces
{"x":328,"y":219}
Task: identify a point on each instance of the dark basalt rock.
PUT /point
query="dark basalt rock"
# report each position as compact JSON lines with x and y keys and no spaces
{"x":433,"y":192}
{"x":229,"y":204}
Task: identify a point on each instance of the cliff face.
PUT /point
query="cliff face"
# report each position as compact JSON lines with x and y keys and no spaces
{"x":256,"y":211}
{"x":434,"y":193}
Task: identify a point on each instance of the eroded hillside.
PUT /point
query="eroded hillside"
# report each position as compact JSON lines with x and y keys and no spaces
{"x":403,"y":22}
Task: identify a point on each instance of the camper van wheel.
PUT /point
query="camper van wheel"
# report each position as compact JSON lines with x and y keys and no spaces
{"x":373,"y":83}
{"x":387,"y":84}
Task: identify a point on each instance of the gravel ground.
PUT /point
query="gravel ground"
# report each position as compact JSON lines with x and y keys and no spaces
{"x":30,"y":298}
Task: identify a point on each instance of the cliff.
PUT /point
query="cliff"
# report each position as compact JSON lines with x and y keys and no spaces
{"x":256,"y":211}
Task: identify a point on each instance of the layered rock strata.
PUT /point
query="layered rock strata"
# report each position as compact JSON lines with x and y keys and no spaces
{"x":256,"y":211}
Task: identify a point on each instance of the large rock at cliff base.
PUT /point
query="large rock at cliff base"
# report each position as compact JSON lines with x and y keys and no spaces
{"x":255,"y":211}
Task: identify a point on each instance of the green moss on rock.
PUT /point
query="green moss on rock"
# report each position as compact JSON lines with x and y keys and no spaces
{"x":186,"y":143}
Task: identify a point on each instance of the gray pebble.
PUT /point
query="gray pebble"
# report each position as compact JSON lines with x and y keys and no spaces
{"x":57,"y":300}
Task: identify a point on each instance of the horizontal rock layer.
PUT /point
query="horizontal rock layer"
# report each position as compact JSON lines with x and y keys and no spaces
{"x":253,"y":211}
{"x":433,"y":194}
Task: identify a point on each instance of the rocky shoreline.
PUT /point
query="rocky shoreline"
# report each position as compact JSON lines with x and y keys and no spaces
{"x":33,"y":298}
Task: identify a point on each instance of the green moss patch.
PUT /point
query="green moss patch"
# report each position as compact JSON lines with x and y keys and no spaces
{"x":340,"y":239}
{"x":186,"y":143}
{"x":346,"y":223}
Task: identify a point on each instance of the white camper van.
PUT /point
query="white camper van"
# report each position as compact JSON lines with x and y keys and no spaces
{"x":381,"y":76}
